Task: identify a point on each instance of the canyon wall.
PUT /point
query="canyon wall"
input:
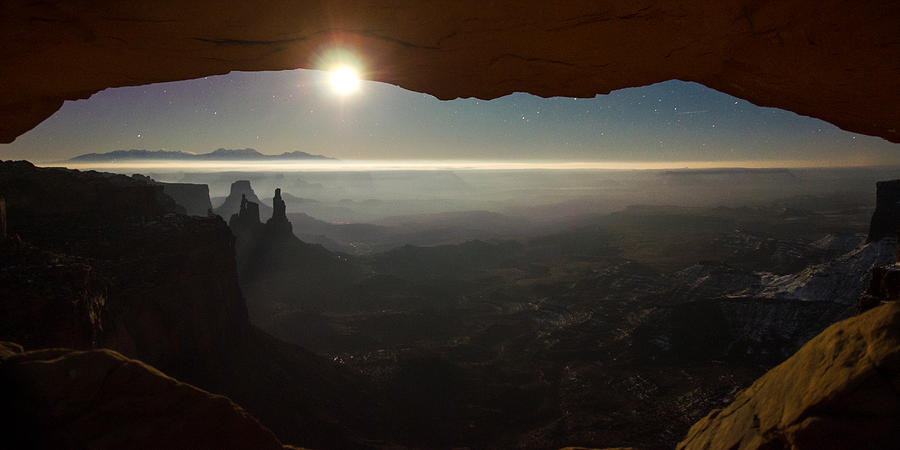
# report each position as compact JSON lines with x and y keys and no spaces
{"x":101,"y":260}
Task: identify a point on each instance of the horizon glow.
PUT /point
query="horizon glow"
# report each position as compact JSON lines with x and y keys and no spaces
{"x":277,"y":112}
{"x":436,"y":165}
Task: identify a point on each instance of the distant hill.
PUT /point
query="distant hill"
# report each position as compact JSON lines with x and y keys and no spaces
{"x":217,"y":155}
{"x":764,"y":177}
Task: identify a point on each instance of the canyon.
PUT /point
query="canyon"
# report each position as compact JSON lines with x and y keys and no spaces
{"x":128,"y":307}
{"x":415,"y":346}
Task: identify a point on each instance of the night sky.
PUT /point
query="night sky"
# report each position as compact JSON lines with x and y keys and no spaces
{"x":275,"y":112}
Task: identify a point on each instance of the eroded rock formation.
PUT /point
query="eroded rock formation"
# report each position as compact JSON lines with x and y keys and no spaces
{"x":278,"y":207}
{"x":245,"y":223}
{"x":246,"y":219}
{"x":275,"y":267}
{"x":886,"y":219}
{"x":99,"y":399}
{"x":106,"y":262}
{"x":174,"y":290}
{"x":839,"y":391}
{"x":836,"y":60}
{"x":279,"y":225}
{"x":241,"y":191}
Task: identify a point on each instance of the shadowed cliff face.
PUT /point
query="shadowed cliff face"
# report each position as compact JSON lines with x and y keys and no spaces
{"x":101,"y":260}
{"x":275,"y":267}
{"x":886,"y":219}
{"x":170,"y":283}
{"x":48,"y":299}
{"x":835,"y":60}
{"x":194,"y":198}
{"x":163,"y":287}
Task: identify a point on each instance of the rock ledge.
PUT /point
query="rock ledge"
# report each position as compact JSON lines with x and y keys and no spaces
{"x":838,"y":391}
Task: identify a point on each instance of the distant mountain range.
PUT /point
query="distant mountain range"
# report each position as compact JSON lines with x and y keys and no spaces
{"x":220,"y":154}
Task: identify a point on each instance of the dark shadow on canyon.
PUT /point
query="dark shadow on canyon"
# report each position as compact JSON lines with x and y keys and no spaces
{"x":589,"y":308}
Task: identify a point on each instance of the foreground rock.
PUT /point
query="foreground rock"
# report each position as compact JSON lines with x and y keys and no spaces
{"x":760,"y":51}
{"x":839,"y":391}
{"x":99,"y":399}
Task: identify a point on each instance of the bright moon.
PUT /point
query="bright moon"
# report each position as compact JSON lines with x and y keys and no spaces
{"x":344,"y":80}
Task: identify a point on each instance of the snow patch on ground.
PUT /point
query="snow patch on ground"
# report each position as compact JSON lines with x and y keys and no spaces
{"x":841,"y":280}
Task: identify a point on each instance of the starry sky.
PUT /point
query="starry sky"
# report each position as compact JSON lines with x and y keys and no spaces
{"x":276,"y":112}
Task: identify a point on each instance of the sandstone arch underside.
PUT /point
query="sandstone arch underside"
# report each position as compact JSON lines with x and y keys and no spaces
{"x":831,"y":59}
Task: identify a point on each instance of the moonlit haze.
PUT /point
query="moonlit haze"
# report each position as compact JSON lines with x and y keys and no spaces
{"x":319,"y":260}
{"x":334,"y":113}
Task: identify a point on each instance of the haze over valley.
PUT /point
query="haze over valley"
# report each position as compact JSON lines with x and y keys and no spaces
{"x":201,"y":250}
{"x":515,"y":308}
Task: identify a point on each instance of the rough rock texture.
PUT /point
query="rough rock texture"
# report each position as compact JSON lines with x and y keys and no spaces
{"x":886,"y":219}
{"x":99,"y":399}
{"x":884,"y":286}
{"x":834,"y":59}
{"x":839,"y":391}
{"x":161,"y":265}
{"x":106,"y":262}
{"x":47,"y":299}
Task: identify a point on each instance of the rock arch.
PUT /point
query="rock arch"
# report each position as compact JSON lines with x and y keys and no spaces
{"x":837,"y":60}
